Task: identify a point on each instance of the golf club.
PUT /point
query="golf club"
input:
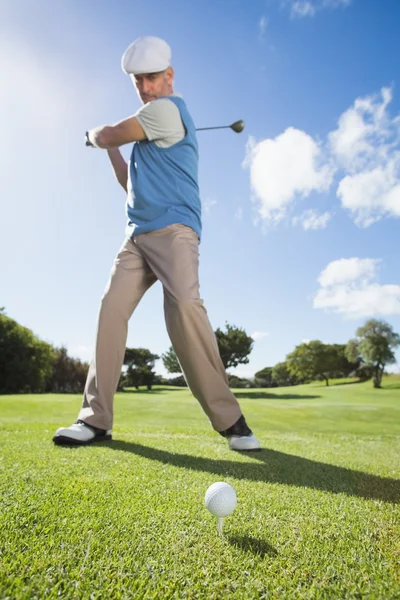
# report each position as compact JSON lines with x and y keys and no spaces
{"x":237,"y":127}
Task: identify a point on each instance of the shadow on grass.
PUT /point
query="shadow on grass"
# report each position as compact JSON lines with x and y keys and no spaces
{"x":340,"y":383}
{"x":251,"y":394}
{"x":390,"y":386}
{"x":253,"y":545}
{"x":153,"y":391}
{"x":277,"y":467}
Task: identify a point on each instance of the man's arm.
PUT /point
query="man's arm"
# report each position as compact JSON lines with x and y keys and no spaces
{"x":120,"y":167}
{"x":112,"y":136}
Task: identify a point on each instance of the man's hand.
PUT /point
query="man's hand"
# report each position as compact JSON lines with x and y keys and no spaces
{"x":112,"y":136}
{"x":87,"y":140}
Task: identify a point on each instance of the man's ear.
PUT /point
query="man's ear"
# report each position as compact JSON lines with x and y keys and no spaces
{"x":170,"y":75}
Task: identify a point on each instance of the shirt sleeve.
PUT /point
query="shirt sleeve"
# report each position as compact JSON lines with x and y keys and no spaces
{"x":161,"y":120}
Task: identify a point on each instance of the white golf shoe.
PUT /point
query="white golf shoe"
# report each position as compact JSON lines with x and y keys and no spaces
{"x":240,"y":437}
{"x":244,"y":443}
{"x":80,"y":434}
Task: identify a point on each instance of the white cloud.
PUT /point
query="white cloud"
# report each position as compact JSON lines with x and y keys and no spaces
{"x":364,"y":130}
{"x":282,"y":168}
{"x":308,"y":8}
{"x":364,"y":150}
{"x":335,"y":3}
{"x":303,"y":8}
{"x":366,"y":145}
{"x":348,"y":269}
{"x":262,"y":26}
{"x":305,"y":341}
{"x":310,"y":219}
{"x":371,"y":195}
{"x":207,"y":205}
{"x":349,"y":286}
{"x":259,"y":335}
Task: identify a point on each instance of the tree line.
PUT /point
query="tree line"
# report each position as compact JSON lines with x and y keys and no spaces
{"x":364,"y":357}
{"x":30,"y":365}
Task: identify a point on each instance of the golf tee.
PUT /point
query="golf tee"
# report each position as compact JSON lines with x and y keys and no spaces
{"x":220,"y":524}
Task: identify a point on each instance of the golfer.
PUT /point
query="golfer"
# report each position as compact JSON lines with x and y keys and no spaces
{"x":162,"y":243}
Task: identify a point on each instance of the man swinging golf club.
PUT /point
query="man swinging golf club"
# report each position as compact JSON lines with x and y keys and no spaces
{"x":162,"y":238}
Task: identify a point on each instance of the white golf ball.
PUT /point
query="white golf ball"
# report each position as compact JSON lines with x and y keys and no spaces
{"x":220,"y":499}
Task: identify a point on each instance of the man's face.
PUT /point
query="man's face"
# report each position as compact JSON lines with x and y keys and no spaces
{"x":150,"y":86}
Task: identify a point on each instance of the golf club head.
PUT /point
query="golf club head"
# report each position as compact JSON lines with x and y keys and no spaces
{"x":237,"y":126}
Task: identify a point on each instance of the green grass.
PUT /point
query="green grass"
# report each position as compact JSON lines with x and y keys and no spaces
{"x":318,"y":509}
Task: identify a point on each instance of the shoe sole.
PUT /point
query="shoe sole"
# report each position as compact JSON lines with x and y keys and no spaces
{"x":62,"y":440}
{"x":246,"y":450}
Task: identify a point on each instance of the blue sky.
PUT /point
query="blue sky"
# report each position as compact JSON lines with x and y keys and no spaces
{"x":301,"y":210}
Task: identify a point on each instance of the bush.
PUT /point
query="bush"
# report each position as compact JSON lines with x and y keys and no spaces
{"x":240,"y":382}
{"x":178,"y":381}
{"x":363,"y":372}
{"x":26,"y":362}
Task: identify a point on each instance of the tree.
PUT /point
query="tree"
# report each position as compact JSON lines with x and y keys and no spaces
{"x":140,"y":362}
{"x":364,"y":372}
{"x":179,"y":381}
{"x":240,"y":382}
{"x":234,"y":347}
{"x":352,"y":352}
{"x":312,"y":360}
{"x":25,"y":360}
{"x":281,"y":375}
{"x":264,"y":378}
{"x":343,"y":366}
{"x":68,"y":374}
{"x":374,"y":345}
{"x":170,"y":361}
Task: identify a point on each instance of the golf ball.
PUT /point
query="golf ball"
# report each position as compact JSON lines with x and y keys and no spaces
{"x":220,"y":499}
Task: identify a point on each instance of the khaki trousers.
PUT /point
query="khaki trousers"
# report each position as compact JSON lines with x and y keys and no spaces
{"x":170,"y":255}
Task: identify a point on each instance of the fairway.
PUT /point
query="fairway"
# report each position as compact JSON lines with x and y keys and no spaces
{"x":318,"y":509}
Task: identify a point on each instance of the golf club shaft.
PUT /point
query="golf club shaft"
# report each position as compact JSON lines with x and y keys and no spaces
{"x":208,"y":128}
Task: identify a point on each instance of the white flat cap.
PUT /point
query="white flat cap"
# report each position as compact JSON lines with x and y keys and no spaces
{"x":146,"y":55}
